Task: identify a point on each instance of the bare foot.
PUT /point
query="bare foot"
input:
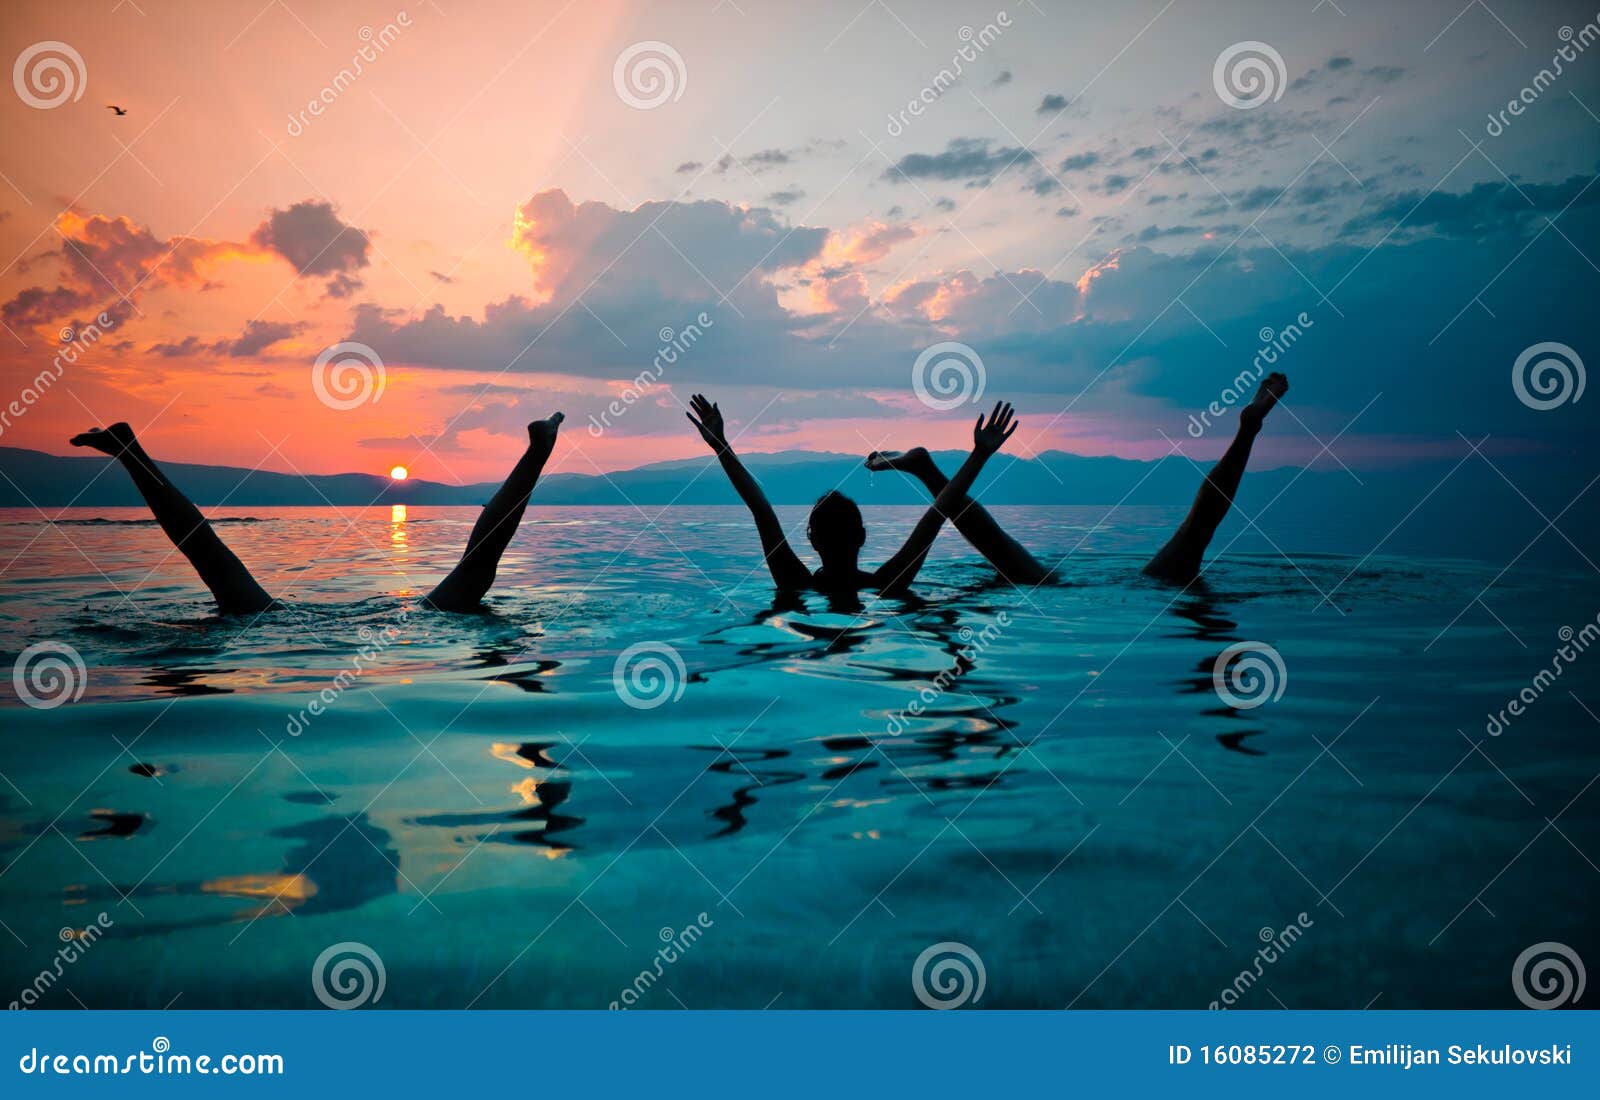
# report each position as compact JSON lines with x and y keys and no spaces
{"x":914,"y":462}
{"x":112,"y":441}
{"x":1272,"y":387}
{"x":542,"y":433}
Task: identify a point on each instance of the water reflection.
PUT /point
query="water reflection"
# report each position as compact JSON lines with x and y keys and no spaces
{"x":1203,"y":611}
{"x":337,"y":864}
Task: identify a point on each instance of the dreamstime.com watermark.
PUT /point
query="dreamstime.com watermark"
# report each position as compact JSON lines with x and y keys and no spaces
{"x":158,"y":1061}
{"x":948,"y":375}
{"x":1548,"y":975}
{"x":1573,"y":645}
{"x":674,"y":945}
{"x":1548,"y":375}
{"x":74,"y":342}
{"x":973,"y":645}
{"x":374,"y":43}
{"x":48,"y":674}
{"x":348,"y":375}
{"x":1249,"y":74}
{"x":973,"y":44}
{"x":674,"y":345}
{"x":348,"y":975}
{"x":74,"y":943}
{"x":1274,"y":945}
{"x":948,"y":975}
{"x":648,"y":74}
{"x":648,"y":674}
{"x":1575,"y":42}
{"x":374,"y":644}
{"x":1274,"y":345}
{"x":1249,"y":674}
{"x":48,"y":74}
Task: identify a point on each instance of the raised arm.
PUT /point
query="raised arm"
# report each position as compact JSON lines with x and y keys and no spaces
{"x":896,"y":574}
{"x":788,"y":571}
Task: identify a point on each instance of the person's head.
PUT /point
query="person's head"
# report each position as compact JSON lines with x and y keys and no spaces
{"x":835,"y":530}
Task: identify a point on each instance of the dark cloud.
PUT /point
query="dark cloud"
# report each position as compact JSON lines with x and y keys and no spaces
{"x":785,"y":198}
{"x":1077,"y":162}
{"x":1489,"y":208}
{"x":311,"y":237}
{"x":757,"y":163}
{"x":1337,"y":63}
{"x":258,"y":336}
{"x":37,"y":305}
{"x":440,"y":276}
{"x":343,"y":285}
{"x":1051,"y":103}
{"x":962,"y":159}
{"x":111,"y":260}
{"x":682,"y":258}
{"x":1002,"y":79}
{"x":1157,"y":232}
{"x":186,"y":348}
{"x":689,"y":166}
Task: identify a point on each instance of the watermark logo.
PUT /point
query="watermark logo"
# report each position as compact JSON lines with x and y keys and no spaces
{"x":648,"y":674}
{"x":674,"y":945}
{"x":347,"y":376}
{"x":1275,"y":943}
{"x":1274,"y":346}
{"x":1565,"y":54}
{"x":74,"y":343}
{"x":47,"y":74}
{"x":1574,"y":643}
{"x":48,"y":674}
{"x":674,"y":346}
{"x":75,"y":942}
{"x":1548,"y":975}
{"x":648,"y":74}
{"x":375,"y":642}
{"x":973,"y":643}
{"x":973,"y":44}
{"x":1249,"y":74}
{"x":1248,"y":674}
{"x":374,"y":43}
{"x":948,"y":975}
{"x":348,"y":975}
{"x":1547,"y":376}
{"x":948,"y":375}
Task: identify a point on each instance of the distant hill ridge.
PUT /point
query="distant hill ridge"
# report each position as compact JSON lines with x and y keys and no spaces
{"x":1441,"y":508}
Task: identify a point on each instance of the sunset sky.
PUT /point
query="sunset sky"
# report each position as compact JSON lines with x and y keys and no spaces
{"x":483,"y":208}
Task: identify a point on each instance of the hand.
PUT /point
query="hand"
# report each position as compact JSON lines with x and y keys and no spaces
{"x":709,"y":422}
{"x":989,"y":437}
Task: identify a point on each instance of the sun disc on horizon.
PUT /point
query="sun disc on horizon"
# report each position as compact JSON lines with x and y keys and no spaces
{"x":399,"y":473}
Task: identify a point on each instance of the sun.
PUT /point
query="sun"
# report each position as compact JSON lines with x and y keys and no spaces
{"x":399,"y":473}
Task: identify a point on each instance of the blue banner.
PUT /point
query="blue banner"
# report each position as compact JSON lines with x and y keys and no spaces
{"x":802,"y":1053}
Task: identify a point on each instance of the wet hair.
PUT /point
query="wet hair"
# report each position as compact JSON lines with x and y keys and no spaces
{"x":835,"y":528}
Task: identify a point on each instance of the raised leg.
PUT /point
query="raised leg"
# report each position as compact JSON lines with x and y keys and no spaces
{"x":231,"y":584}
{"x":1179,"y":560}
{"x":972,"y":519}
{"x":473,"y":576}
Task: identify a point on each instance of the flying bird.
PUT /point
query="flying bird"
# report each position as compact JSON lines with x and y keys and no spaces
{"x":119,"y":110}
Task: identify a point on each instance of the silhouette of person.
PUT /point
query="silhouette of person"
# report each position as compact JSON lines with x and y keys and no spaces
{"x":1177,"y":562}
{"x":835,"y":530}
{"x":238,"y":593}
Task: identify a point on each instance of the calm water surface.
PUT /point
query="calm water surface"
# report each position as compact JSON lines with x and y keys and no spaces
{"x":479,"y":805}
